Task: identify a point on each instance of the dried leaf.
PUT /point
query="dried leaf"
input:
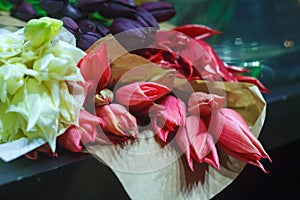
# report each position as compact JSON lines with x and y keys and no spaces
{"x":129,"y":68}
{"x":6,"y":20}
{"x":144,"y":167}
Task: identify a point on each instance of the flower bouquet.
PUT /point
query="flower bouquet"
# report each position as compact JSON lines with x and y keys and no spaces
{"x":158,"y":106}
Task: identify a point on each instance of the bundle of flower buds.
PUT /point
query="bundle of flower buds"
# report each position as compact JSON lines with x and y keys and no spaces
{"x":38,"y":67}
{"x":115,"y":16}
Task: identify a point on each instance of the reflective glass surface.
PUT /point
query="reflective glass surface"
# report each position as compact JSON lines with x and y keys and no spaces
{"x":262,"y":35}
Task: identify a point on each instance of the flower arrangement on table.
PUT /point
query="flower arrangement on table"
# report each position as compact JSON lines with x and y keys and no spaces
{"x":167,"y":92}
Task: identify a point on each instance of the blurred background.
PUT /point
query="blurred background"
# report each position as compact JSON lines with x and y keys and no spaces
{"x":261,"y":35}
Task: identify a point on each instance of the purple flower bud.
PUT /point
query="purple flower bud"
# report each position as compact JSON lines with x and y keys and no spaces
{"x":116,"y":8}
{"x":126,"y":2}
{"x":86,"y":25}
{"x":133,"y":34}
{"x":162,"y":11}
{"x":70,"y":25}
{"x":89,"y":5}
{"x":23,"y":11}
{"x":85,"y":40}
{"x":92,"y":26}
{"x":101,"y":29}
{"x":72,"y":11}
{"x":124,"y":24}
{"x":53,"y":6}
{"x":145,"y":18}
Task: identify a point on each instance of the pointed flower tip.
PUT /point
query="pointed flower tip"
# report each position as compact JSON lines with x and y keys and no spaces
{"x":262,"y":168}
{"x":215,"y":165}
{"x":162,"y":136}
{"x":269,"y":158}
{"x":214,"y":162}
{"x":266,"y":91}
{"x":266,"y":156}
{"x":190,"y":163}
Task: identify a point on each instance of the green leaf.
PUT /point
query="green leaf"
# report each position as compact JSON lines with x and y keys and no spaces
{"x":40,"y":31}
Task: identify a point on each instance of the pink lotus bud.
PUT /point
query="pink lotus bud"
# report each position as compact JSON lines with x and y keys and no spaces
{"x":95,"y":69}
{"x":236,"y":139}
{"x":140,"y":96}
{"x":74,"y":137}
{"x":117,"y":120}
{"x":167,"y":116}
{"x":204,"y":104}
{"x":197,"y":143}
{"x":140,"y":92}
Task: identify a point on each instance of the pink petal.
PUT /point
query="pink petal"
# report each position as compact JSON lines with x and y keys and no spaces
{"x":204,"y":104}
{"x":197,"y":128}
{"x":183,"y":142}
{"x":167,"y":115}
{"x":95,"y":67}
{"x":71,"y":139}
{"x":186,"y":135}
{"x":212,"y":157}
{"x":74,"y":137}
{"x":88,"y":124}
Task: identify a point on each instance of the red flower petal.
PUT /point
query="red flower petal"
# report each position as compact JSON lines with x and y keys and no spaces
{"x":199,"y":32}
